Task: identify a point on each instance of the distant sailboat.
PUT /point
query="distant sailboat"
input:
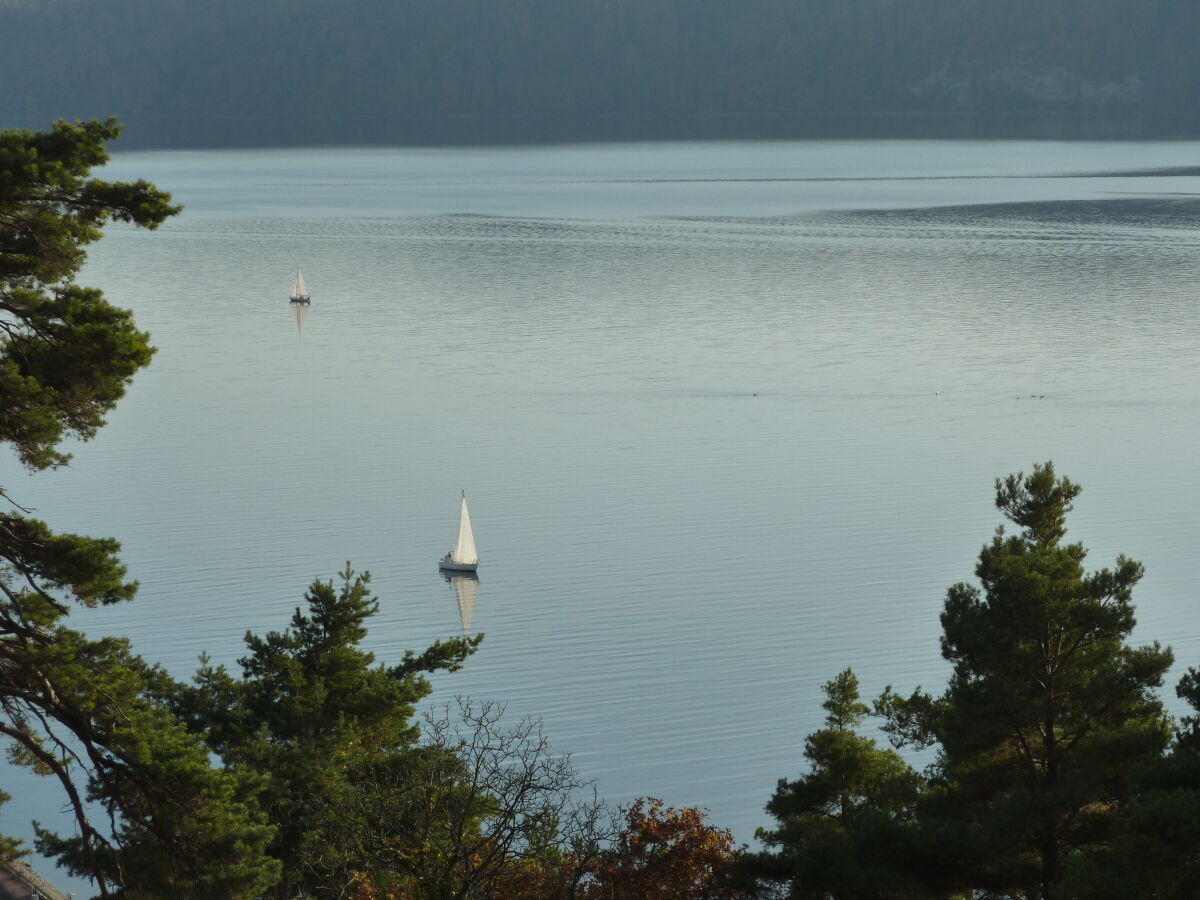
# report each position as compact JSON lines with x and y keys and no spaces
{"x":300,"y":290}
{"x":463,"y":558}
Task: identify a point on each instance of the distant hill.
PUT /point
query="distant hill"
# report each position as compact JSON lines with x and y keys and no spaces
{"x":262,"y":72}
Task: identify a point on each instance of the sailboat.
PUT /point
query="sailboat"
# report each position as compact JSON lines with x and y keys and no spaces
{"x":463,"y":558}
{"x":300,"y":290}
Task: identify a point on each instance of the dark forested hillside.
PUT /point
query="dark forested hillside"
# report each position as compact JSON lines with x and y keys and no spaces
{"x":211,"y":72}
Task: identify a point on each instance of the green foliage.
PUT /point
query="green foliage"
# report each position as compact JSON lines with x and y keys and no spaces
{"x":78,"y":709}
{"x":1048,"y":711}
{"x":1153,"y":852}
{"x":89,"y":713}
{"x":85,"y":568}
{"x":66,"y":355}
{"x":10,"y":848}
{"x":1187,"y":740}
{"x":1050,"y":780}
{"x":844,"y":828}
{"x":330,"y":736}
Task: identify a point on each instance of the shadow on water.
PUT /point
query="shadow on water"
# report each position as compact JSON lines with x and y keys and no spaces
{"x":466,"y":588}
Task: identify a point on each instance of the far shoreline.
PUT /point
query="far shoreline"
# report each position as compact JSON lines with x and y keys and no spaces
{"x":244,"y":132}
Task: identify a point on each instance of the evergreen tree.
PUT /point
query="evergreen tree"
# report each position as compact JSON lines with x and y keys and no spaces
{"x":330,"y":734}
{"x":90,"y":714}
{"x":845,"y":828}
{"x":1049,"y":713}
{"x":67,"y":354}
{"x":10,"y":848}
{"x":1050,"y":780}
{"x":1155,"y":851}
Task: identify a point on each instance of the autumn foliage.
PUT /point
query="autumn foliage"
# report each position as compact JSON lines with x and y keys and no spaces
{"x":664,"y":853}
{"x":660,"y":853}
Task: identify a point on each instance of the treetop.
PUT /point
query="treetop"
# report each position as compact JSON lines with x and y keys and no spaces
{"x":1039,"y":502}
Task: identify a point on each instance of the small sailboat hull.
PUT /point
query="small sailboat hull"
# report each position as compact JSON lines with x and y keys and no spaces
{"x":300,"y":292}
{"x":449,"y":565}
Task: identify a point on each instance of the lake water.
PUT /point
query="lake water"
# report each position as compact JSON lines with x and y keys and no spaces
{"x":728,"y":416}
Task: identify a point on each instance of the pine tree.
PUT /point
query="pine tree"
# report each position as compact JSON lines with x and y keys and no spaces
{"x":331,"y":736}
{"x":845,"y":828}
{"x":1049,"y":713}
{"x":152,"y":818}
{"x":1155,"y":850}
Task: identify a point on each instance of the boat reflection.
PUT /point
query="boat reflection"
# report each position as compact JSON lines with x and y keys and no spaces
{"x":466,"y":587}
{"x":301,"y":311}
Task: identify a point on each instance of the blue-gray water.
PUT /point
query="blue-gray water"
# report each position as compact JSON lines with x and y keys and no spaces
{"x":692,"y":392}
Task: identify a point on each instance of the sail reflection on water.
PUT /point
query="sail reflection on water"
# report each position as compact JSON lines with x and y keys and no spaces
{"x":466,"y":586}
{"x":301,"y":310}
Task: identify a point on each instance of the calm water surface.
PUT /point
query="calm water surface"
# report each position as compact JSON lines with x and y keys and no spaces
{"x":728,"y":416}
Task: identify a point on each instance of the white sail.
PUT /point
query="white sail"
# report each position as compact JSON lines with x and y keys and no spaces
{"x":300,"y":289}
{"x":464,"y":548}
